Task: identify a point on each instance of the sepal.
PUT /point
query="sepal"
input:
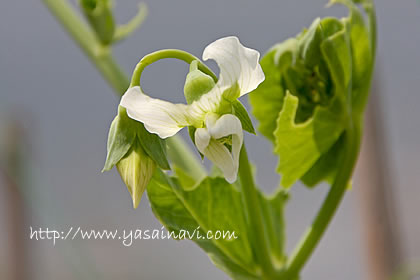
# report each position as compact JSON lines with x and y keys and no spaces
{"x":135,"y":152}
{"x":197,"y":83}
{"x":241,"y":113}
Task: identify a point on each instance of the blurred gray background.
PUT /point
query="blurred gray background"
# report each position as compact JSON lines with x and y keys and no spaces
{"x":66,"y":108}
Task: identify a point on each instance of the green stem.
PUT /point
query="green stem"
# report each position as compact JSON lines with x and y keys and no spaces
{"x":101,"y":57}
{"x":181,"y":156}
{"x":168,"y":53}
{"x":254,"y":214}
{"x":313,"y":235}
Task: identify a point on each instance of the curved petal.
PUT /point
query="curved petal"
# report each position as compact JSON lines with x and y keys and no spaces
{"x":238,"y":65}
{"x":158,"y":116}
{"x":202,"y":139}
{"x":221,"y":157}
{"x":228,"y":125}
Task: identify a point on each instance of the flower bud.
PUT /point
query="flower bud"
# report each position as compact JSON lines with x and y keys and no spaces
{"x":197,"y":83}
{"x":135,"y":152}
{"x":136,"y":169}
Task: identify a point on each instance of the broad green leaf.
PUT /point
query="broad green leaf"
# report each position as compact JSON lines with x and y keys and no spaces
{"x":326,"y":166}
{"x":214,"y":205}
{"x":301,"y":145}
{"x":326,"y":70}
{"x":267,"y":99}
{"x":240,"y":112}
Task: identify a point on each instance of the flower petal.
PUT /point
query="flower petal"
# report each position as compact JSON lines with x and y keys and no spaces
{"x":207,"y":143}
{"x":202,"y":139}
{"x":238,"y":64}
{"x":228,"y":125}
{"x":158,"y":116}
{"x":221,"y":157}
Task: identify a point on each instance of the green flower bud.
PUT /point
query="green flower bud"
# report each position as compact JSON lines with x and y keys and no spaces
{"x":197,"y":83}
{"x":99,"y":15}
{"x":135,"y":152}
{"x":136,"y":169}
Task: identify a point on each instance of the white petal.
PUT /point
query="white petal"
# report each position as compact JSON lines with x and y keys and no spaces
{"x":208,"y":102}
{"x":158,"y":116}
{"x":221,"y":157}
{"x":237,"y":64}
{"x":202,"y":139}
{"x":228,"y":125}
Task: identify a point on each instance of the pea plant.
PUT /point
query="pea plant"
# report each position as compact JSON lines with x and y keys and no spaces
{"x":308,"y":94}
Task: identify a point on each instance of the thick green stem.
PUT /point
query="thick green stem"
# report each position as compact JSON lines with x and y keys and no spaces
{"x":254,"y":214}
{"x":168,"y":53}
{"x":313,"y":235}
{"x":101,"y":57}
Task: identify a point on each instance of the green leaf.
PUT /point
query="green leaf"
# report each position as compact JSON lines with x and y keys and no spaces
{"x":326,"y":167}
{"x":309,"y":43}
{"x":337,"y":54}
{"x":363,"y":51}
{"x":240,"y":111}
{"x":273,"y":218}
{"x":267,"y":99}
{"x":326,"y":71}
{"x":299,"y":146}
{"x":213,"y":205}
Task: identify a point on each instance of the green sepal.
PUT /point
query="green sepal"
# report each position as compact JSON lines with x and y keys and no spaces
{"x":241,"y":113}
{"x":99,"y":15}
{"x":121,"y":136}
{"x":197,"y":83}
{"x":154,"y":146}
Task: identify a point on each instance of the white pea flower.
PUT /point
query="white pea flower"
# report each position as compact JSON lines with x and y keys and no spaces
{"x":216,"y":127}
